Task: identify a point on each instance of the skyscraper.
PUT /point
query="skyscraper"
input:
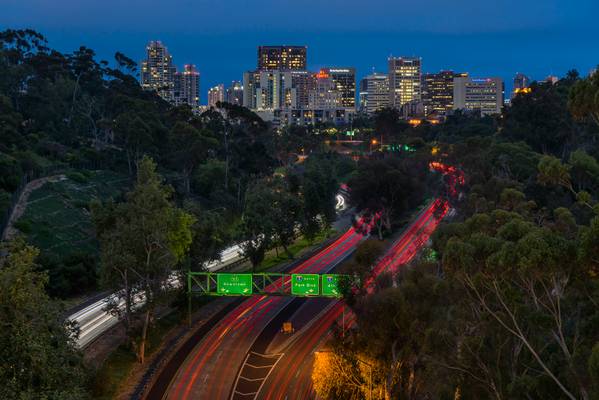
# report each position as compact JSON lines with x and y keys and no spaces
{"x":521,"y":81}
{"x":437,"y":92}
{"x":405,"y":75}
{"x":216,"y":94}
{"x":284,"y":58}
{"x":234,"y":93}
{"x":187,"y":86}
{"x":303,"y":82}
{"x":344,"y":82}
{"x":325,"y":95}
{"x":272,"y":90}
{"x":158,"y":71}
{"x":483,"y":95}
{"x":521,"y":84}
{"x":374,"y":92}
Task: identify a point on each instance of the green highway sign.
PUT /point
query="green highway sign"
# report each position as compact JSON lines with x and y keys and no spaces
{"x":305,"y":284}
{"x":330,"y":285}
{"x":234,"y":284}
{"x":264,"y":283}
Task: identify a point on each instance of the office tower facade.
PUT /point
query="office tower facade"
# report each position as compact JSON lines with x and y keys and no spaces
{"x":405,"y":80}
{"x":234,"y":93}
{"x":437,"y":92}
{"x":374,"y":92}
{"x":216,"y":94}
{"x":283,"y":58}
{"x":187,"y":86}
{"x":521,"y":84}
{"x":158,"y":71}
{"x":484,"y":95}
{"x":265,"y":90}
{"x":271,"y":90}
{"x":324,"y":95}
{"x":521,"y":81}
{"x":303,"y":82}
{"x":344,"y":80}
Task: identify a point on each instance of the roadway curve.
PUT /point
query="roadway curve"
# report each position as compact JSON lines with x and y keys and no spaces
{"x":211,"y":367}
{"x":290,"y":378}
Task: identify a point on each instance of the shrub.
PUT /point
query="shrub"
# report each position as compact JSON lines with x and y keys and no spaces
{"x":24,"y":225}
{"x":77,"y":177}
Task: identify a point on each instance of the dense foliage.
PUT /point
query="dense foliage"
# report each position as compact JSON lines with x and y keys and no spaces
{"x":70,"y":112}
{"x":38,"y":357}
{"x":511,"y":308}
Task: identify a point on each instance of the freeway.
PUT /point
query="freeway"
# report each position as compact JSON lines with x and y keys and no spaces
{"x":210,"y":370}
{"x":93,"y":320}
{"x":217,"y":368}
{"x":285,"y":371}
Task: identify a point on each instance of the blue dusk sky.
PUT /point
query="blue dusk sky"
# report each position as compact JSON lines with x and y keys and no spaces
{"x":484,"y":38}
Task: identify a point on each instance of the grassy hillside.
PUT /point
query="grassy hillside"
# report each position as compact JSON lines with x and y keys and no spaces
{"x":57,"y":220}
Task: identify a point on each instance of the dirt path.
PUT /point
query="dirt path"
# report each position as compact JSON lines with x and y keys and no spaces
{"x":19,"y":209}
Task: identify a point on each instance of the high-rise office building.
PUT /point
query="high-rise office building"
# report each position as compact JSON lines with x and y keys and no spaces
{"x":271,"y":90}
{"x":521,"y":81}
{"x":284,"y":58}
{"x":484,"y":95}
{"x":405,"y":80}
{"x":158,"y":71}
{"x":216,"y":94}
{"x":344,"y":80}
{"x":303,"y":82}
{"x":187,"y":86}
{"x":325,"y":95}
{"x":374,"y":92}
{"x":521,"y":84}
{"x":437,"y":92}
{"x":266,"y":90}
{"x":234,"y":93}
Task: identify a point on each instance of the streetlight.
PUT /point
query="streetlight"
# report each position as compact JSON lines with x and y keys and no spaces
{"x":373,"y":141}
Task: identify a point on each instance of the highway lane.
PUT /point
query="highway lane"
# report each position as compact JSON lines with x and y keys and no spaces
{"x":290,"y":377}
{"x":211,"y":368}
{"x":93,"y":320}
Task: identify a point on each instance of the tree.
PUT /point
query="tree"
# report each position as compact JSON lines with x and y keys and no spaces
{"x":384,"y":188}
{"x":189,"y":147}
{"x":39,"y":360}
{"x":135,"y":136}
{"x":285,"y":214}
{"x":540,"y":118}
{"x":318,"y":189}
{"x":520,"y":277}
{"x":336,"y":377}
{"x":142,"y":241}
{"x":257,"y":226}
{"x":583,"y":101}
{"x":553,"y":172}
{"x":209,"y":236}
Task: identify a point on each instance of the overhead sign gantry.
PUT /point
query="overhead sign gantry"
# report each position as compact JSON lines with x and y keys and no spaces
{"x":273,"y":284}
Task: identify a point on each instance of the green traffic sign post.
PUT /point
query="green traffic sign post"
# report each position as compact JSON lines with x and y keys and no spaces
{"x":330,"y":285}
{"x":305,"y":284}
{"x":234,"y":284}
{"x":268,"y":284}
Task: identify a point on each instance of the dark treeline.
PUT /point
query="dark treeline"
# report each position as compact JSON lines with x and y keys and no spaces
{"x":198,"y":183}
{"x":68,"y":110}
{"x":510,"y":308}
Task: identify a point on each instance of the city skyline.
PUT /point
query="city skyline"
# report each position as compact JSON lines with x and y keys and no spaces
{"x":537,"y":38}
